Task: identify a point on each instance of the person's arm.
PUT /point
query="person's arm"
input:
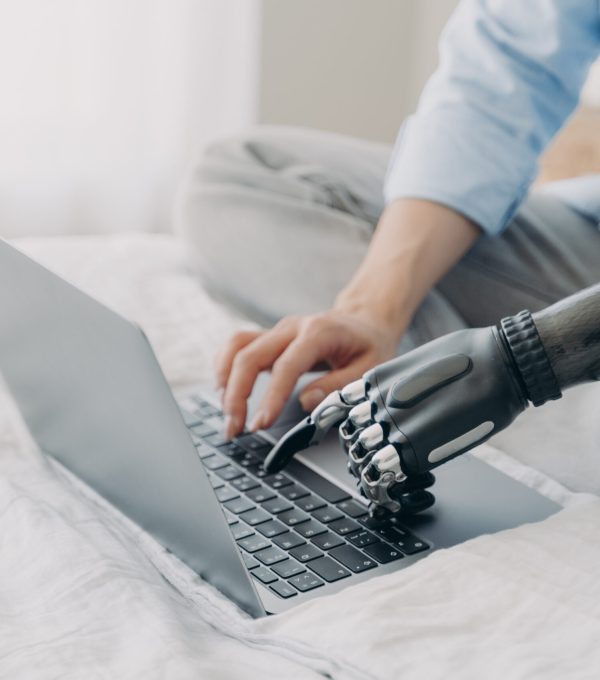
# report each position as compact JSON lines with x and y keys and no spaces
{"x":415,"y":243}
{"x":510,"y":74}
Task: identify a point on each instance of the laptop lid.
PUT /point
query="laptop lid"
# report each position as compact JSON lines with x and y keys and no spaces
{"x":90,"y":389}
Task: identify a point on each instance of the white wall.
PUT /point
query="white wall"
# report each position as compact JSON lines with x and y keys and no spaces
{"x":351,"y":66}
{"x":104,"y":102}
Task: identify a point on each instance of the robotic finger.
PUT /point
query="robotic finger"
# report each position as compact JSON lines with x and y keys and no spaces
{"x":310,"y":431}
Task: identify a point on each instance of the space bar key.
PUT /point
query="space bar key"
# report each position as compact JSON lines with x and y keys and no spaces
{"x":330,"y":492}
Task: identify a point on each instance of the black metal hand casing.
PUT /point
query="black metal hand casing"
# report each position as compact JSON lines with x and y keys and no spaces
{"x":415,"y":412}
{"x":426,"y":407}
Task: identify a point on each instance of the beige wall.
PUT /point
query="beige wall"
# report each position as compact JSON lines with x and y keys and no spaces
{"x":351,"y":66}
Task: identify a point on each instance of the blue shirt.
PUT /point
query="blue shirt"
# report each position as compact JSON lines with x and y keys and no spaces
{"x":510,"y":74}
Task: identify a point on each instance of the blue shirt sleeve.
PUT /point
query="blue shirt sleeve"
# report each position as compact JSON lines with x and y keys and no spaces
{"x":510,"y":74}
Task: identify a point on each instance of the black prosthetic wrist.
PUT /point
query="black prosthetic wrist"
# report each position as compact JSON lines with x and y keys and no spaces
{"x":532,"y":364}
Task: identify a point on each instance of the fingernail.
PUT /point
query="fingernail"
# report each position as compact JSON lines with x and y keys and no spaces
{"x":259,"y":420}
{"x":312,"y":398}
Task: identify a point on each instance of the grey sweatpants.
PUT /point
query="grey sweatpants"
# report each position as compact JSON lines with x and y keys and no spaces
{"x":278,"y":219}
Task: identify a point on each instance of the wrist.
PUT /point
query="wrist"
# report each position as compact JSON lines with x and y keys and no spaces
{"x":387,"y":314}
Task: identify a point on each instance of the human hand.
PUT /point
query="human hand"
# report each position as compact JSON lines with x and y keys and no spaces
{"x":349,"y":342}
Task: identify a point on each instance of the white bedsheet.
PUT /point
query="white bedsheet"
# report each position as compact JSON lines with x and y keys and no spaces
{"x":85,"y":594}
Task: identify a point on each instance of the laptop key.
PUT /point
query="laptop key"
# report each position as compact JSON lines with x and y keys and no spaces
{"x":196,"y":439}
{"x":305,"y":553}
{"x":294,"y":491}
{"x":283,"y":589}
{"x":328,"y":569}
{"x":190,"y":419}
{"x":229,"y":473}
{"x":383,"y":552}
{"x":254,"y":543}
{"x":317,"y":484}
{"x":293,"y":517}
{"x":203,"y":430}
{"x":362,"y":538}
{"x":260,"y":494}
{"x":240,"y":530}
{"x":272,"y":528}
{"x":327,"y":515}
{"x":411,"y":545}
{"x":327,"y":541}
{"x":306,"y":582}
{"x":310,"y":528}
{"x":217,"y":439}
{"x":249,"y":561}
{"x":277,"y":505}
{"x":215,"y":462}
{"x":232,"y":449}
{"x":244,"y":483}
{"x":270,"y":556}
{"x":278,"y":480}
{"x":310,"y":503}
{"x":288,"y":568}
{"x":289,"y":540}
{"x":258,"y":471}
{"x":253,"y":442}
{"x":352,"y":508}
{"x":231,"y":519}
{"x":215,"y":482}
{"x":344,"y":526}
{"x":204,"y":451}
{"x":255,"y":516}
{"x":239,"y":505}
{"x":247,"y":460}
{"x":353,"y":558}
{"x":225,"y":493}
{"x":389,"y":533}
{"x":264,"y":575}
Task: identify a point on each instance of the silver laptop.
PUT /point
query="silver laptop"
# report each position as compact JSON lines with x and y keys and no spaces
{"x":95,"y":399}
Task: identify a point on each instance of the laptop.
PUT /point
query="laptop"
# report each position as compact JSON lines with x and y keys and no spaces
{"x":92,"y":394}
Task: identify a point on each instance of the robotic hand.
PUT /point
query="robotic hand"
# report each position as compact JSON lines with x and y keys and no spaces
{"x":413,"y":413}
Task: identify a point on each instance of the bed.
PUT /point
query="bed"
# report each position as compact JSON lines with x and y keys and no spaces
{"x":84,"y":593}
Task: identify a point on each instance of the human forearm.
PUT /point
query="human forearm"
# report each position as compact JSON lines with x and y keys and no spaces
{"x":416,"y":242}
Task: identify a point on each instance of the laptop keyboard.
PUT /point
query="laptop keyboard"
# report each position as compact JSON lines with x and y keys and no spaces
{"x":295,"y":530}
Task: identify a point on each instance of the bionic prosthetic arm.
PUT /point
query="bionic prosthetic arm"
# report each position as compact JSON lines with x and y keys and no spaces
{"x":413,"y":413}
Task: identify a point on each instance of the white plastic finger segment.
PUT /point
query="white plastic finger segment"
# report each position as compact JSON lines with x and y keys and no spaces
{"x":330,"y":411}
{"x":382,"y":472}
{"x":355,"y":392}
{"x":372,"y":436}
{"x":387,"y":464}
{"x":360,"y":415}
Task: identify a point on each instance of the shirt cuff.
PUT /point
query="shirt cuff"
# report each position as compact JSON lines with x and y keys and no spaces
{"x":477,"y":169}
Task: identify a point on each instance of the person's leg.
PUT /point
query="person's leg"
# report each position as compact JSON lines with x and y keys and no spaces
{"x":548,"y":252}
{"x":277,"y":219}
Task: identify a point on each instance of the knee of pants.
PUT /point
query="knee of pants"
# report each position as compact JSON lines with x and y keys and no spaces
{"x":229,"y":212}
{"x":209,"y":192}
{"x":248,"y":162}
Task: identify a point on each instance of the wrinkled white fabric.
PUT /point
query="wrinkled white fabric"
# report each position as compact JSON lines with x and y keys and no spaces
{"x":521,"y":604}
{"x":85,"y":594}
